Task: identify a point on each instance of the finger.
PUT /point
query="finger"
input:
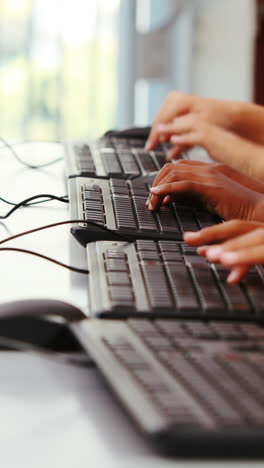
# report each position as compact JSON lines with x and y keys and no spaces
{"x":243,"y":257}
{"x":175,"y":152}
{"x":167,"y":200}
{"x":187,"y":186}
{"x":175,"y":104}
{"x":162,"y":173}
{"x":219,"y":232}
{"x":244,"y":241}
{"x":177,"y":126}
{"x":237,"y":274}
{"x":188,"y":162}
{"x":189,"y":138}
{"x":164,"y":137}
{"x":202,"y":250}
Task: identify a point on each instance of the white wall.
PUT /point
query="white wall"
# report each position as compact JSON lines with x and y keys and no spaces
{"x":223,"y":49}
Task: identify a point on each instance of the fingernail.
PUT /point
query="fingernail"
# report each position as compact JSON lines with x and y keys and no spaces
{"x":213,"y":253}
{"x":232,"y":277}
{"x":162,"y":128}
{"x":176,"y":139}
{"x":147,"y":146}
{"x":230,"y":258}
{"x":150,"y":206}
{"x":154,"y":190}
{"x":202,"y":250}
{"x":191,"y":235}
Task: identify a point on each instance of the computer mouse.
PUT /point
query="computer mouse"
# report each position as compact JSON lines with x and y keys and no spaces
{"x":40,"y":308}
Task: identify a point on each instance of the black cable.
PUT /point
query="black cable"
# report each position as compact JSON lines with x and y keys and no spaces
{"x":74,"y":221}
{"x":34,"y":197}
{"x":79,"y":359}
{"x":64,"y":197}
{"x":24,"y":163}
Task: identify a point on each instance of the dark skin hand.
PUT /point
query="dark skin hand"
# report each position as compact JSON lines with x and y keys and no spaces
{"x":220,"y":193}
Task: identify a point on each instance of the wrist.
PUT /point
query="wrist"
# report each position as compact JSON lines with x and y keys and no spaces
{"x":237,"y":115}
{"x":258,"y":213}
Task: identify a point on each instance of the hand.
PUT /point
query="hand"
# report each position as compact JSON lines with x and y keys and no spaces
{"x":222,"y":145}
{"x":217,"y":112}
{"x":245,"y":119}
{"x":240,"y":244}
{"x":220,"y":193}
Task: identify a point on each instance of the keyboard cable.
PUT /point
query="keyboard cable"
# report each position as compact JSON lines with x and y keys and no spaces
{"x":26,"y":164}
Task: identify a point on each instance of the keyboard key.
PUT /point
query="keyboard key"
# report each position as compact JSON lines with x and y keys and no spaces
{"x":148,"y":255}
{"x":92,"y":195}
{"x":124,"y":213}
{"x":94,"y":216}
{"x":122,"y":294}
{"x":158,"y":342}
{"x":136,"y":142}
{"x":236,"y":299}
{"x":143,"y":327}
{"x":128,"y":163}
{"x":169,"y":246}
{"x":146,"y":245}
{"x":201,"y":330}
{"x":118,"y":278}
{"x":167,"y":221}
{"x":160,"y":158}
{"x":255,"y":290}
{"x":185,"y":218}
{"x":209,"y":395}
{"x":115,"y":264}
{"x":206,"y":219}
{"x":145,"y":218}
{"x":95,"y":205}
{"x":173,"y":328}
{"x":228,"y":331}
{"x":238,"y":397}
{"x":146,"y":161}
{"x":253,"y":332}
{"x":157,"y":288}
{"x":209,"y":294}
{"x":115,"y":253}
{"x":182,"y":288}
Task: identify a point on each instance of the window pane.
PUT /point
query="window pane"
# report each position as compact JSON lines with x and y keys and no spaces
{"x":57,"y":68}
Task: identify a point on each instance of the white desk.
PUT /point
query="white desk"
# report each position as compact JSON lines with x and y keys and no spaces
{"x":53,"y":415}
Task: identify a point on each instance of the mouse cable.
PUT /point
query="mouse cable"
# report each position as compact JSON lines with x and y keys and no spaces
{"x":36,"y":254}
{"x":77,"y":359}
{"x":24,"y":163}
{"x":72,"y":221}
{"x":25,"y":202}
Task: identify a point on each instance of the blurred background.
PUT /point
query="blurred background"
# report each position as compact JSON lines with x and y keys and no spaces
{"x":76,"y":68}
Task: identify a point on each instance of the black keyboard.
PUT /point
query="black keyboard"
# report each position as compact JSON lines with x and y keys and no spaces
{"x":118,"y":156}
{"x":167,"y":279}
{"x":120,"y":206}
{"x":112,"y":156}
{"x":194,"y":389}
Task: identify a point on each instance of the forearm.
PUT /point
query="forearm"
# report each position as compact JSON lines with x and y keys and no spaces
{"x":240,"y":154}
{"x":248,"y":121}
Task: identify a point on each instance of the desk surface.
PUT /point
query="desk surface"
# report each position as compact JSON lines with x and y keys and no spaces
{"x":52,"y":414}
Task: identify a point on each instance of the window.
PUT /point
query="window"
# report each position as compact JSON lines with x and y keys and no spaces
{"x":58,"y":68}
